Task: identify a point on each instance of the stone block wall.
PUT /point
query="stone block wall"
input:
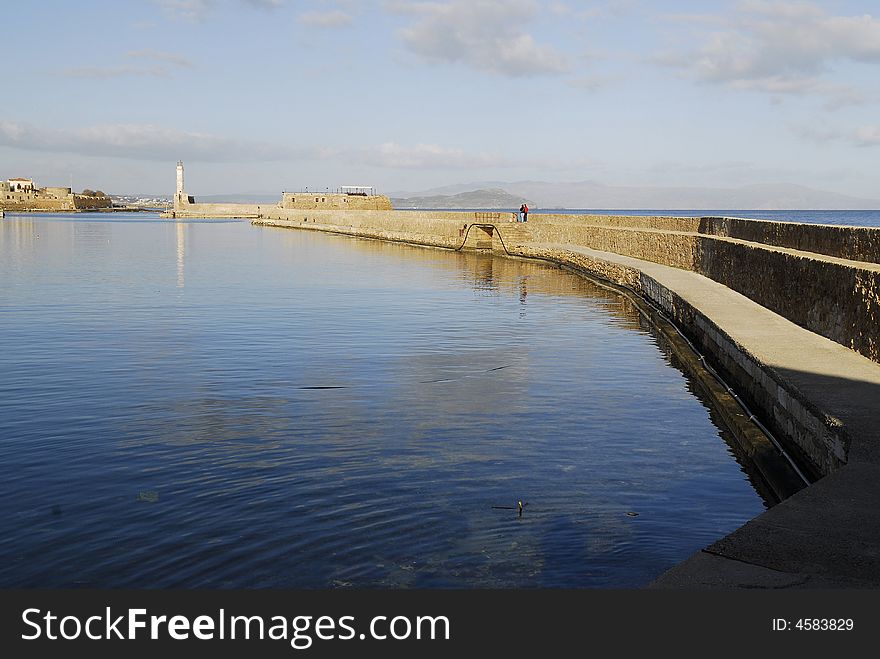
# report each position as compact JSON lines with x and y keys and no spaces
{"x":663,"y":223}
{"x":816,"y":439}
{"x":837,"y":300}
{"x":222,"y":210}
{"x":855,"y":243}
{"x":334,"y":201}
{"x":51,"y":200}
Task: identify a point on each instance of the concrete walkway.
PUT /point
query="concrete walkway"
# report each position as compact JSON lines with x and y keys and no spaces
{"x":827,"y":535}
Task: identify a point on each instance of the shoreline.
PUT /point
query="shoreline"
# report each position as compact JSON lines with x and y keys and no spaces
{"x":79,"y":211}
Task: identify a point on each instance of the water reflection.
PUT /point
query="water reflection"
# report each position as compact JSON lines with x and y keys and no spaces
{"x":181,"y":253}
{"x":18,"y":235}
{"x":164,"y":400}
{"x":90,"y":237}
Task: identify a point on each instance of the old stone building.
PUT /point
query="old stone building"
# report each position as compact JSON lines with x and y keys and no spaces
{"x":21,"y":194}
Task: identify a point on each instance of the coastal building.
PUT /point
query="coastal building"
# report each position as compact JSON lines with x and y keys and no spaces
{"x":21,"y":194}
{"x":20,"y":184}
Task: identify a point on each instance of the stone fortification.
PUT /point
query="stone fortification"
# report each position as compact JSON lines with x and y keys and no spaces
{"x":52,"y":199}
{"x":334,"y":201}
{"x":186,"y":206}
{"x":350,"y":198}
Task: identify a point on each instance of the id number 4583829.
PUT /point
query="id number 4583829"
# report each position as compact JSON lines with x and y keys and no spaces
{"x":813,"y":625}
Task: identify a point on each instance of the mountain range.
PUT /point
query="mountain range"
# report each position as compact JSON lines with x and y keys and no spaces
{"x":589,"y":194}
{"x":482,"y":198}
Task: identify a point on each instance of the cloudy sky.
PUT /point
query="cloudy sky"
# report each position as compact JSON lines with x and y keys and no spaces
{"x":257,"y":96}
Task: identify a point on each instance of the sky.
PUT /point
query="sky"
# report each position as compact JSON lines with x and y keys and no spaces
{"x":259,"y":96}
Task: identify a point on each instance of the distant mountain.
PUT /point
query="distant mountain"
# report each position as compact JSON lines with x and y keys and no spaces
{"x":448,"y":190}
{"x":589,"y":194}
{"x":483,"y":198}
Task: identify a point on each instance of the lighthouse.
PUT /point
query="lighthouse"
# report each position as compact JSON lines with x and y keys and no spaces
{"x":180,"y":197}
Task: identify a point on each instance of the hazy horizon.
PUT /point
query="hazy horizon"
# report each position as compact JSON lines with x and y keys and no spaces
{"x":257,"y":96}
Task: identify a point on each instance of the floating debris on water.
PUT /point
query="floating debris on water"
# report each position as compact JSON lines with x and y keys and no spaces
{"x":518,"y":507}
{"x":149,"y":496}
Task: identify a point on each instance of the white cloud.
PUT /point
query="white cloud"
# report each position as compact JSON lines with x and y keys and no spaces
{"x":864,"y":136}
{"x":197,"y":10}
{"x":781,"y":48}
{"x":170,"y":58}
{"x":326,"y":19}
{"x":424,"y":156}
{"x":140,"y":142}
{"x":867,"y":136}
{"x":155,"y":143}
{"x":189,"y":10}
{"x":266,"y":4}
{"x":140,"y":63}
{"x":114,"y":71}
{"x":591,"y":83}
{"x":487,"y":35}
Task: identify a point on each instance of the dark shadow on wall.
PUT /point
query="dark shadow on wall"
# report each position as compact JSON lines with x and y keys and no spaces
{"x":855,"y":403}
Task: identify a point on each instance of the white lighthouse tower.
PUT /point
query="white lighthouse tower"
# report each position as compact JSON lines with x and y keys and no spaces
{"x":180,"y":197}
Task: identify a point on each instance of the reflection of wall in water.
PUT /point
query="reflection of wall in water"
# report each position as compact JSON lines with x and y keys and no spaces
{"x":486,"y":272}
{"x":483,"y":273}
{"x":17,"y":235}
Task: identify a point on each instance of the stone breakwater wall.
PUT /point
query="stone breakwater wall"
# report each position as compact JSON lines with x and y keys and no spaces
{"x":817,"y":440}
{"x":830,"y":296}
{"x":834,"y":297}
{"x":445,"y":229}
{"x":853,"y":243}
{"x":244,"y":211}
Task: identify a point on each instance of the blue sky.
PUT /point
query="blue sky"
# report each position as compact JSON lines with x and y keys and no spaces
{"x":257,"y":96}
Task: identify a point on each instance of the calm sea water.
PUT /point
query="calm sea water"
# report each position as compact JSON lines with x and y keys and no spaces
{"x":212,"y":404}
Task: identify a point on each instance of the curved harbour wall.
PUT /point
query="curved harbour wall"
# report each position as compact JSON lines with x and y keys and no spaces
{"x":787,"y":313}
{"x":826,"y":295}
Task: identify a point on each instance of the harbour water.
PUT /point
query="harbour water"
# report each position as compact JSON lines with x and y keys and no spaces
{"x":212,"y":404}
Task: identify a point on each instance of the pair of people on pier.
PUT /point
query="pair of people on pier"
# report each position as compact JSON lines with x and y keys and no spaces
{"x":524,"y":213}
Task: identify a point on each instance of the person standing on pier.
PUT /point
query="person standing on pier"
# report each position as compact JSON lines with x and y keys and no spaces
{"x":525,"y":212}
